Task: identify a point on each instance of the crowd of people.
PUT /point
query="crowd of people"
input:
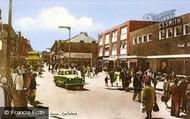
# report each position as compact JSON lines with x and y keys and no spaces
{"x":21,"y":86}
{"x":144,"y":84}
{"x":84,"y":70}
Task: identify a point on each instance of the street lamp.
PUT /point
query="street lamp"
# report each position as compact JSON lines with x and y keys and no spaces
{"x":69,"y":28}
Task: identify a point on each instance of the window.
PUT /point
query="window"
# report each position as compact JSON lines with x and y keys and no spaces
{"x":114,"y":47}
{"x":177,"y":31}
{"x":101,"y":49}
{"x":186,"y":29}
{"x":134,"y":40}
{"x":123,"y":33}
{"x":107,"y":39}
{"x":169,"y":33}
{"x":107,"y":46}
{"x":100,"y":41}
{"x":162,"y":34}
{"x":123,"y":44}
{"x":114,"y":36}
{"x":149,"y":37}
{"x":144,"y":38}
{"x":139,"y":39}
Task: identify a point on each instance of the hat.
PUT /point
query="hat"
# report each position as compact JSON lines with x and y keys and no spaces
{"x":4,"y":80}
{"x":34,"y":74}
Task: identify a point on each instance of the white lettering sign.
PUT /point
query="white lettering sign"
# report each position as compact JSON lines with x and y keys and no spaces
{"x":78,"y":55}
{"x":180,"y":45}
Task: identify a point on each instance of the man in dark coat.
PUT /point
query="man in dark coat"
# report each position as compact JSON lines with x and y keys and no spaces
{"x":112,"y":77}
{"x":176,"y":99}
{"x":137,"y":84}
{"x":32,"y":89}
{"x":183,"y":87}
{"x":128,"y":80}
{"x":123,"y":77}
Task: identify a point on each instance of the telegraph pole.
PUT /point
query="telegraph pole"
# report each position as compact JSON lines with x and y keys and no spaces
{"x":9,"y":40}
{"x":10,"y":12}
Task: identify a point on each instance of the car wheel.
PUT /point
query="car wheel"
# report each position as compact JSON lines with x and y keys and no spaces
{"x":67,"y":87}
{"x":56,"y":83}
{"x":81,"y":87}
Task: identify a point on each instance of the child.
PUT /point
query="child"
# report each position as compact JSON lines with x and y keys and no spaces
{"x":106,"y":81}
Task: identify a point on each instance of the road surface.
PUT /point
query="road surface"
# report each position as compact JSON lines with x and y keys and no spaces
{"x":95,"y":102}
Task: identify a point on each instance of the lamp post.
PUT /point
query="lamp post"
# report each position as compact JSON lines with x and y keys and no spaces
{"x":68,"y":28}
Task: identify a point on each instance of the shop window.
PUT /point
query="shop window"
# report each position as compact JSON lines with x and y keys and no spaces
{"x":169,"y":33}
{"x":161,"y":34}
{"x":186,"y":29}
{"x":178,"y":31}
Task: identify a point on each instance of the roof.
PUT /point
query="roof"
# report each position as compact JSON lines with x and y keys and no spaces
{"x":126,"y":24}
{"x":83,"y":36}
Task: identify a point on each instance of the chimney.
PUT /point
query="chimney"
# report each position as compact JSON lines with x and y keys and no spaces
{"x":85,"y":33}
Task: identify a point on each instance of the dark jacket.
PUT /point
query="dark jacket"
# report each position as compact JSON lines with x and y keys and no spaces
{"x":137,"y":83}
{"x":32,"y":83}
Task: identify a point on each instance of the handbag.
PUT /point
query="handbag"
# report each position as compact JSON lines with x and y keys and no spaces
{"x":155,"y":107}
{"x":142,"y":108}
{"x":164,"y":98}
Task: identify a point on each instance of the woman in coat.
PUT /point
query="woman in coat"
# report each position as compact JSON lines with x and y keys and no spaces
{"x":149,"y":99}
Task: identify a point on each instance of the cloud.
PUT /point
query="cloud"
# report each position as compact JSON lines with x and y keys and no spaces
{"x":52,"y":17}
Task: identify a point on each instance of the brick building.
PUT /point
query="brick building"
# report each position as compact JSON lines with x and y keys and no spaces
{"x":17,"y":51}
{"x":167,"y":48}
{"x":115,"y":42}
{"x":83,"y":50}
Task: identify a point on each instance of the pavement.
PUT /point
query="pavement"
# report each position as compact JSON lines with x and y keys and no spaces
{"x":96,"y":101}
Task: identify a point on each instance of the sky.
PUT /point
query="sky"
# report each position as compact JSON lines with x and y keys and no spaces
{"x":38,"y":20}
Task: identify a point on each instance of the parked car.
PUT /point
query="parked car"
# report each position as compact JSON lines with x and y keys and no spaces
{"x":69,"y":78}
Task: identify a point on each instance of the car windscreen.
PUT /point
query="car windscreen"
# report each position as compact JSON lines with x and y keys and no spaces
{"x":2,"y":97}
{"x":69,"y":72}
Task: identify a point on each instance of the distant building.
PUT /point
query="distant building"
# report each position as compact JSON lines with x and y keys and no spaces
{"x":83,"y":50}
{"x":167,"y":49}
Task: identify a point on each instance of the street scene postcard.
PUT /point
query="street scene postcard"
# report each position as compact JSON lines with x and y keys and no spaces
{"x":94,"y":59}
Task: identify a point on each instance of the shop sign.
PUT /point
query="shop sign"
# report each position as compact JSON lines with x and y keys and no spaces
{"x":133,"y":60}
{"x":78,"y":55}
{"x":181,"y":45}
{"x":170,"y":23}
